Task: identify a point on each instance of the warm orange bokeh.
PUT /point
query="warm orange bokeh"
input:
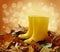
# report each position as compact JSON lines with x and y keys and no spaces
{"x":1,"y":13}
{"x":8,"y":2}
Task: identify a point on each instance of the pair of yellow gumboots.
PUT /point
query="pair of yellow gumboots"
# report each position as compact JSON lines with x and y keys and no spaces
{"x":37,"y":30}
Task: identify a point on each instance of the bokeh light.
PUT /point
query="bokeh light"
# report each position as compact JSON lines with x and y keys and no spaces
{"x":18,"y":12}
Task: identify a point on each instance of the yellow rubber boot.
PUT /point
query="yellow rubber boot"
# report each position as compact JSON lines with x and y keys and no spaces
{"x":40,"y":29}
{"x":30,"y":29}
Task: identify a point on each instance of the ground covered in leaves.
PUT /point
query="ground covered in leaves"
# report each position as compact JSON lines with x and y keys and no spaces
{"x":11,"y":43}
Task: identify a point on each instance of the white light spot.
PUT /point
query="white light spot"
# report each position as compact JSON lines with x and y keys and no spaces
{"x":52,"y":14}
{"x":52,"y":28}
{"x":53,"y":22}
{"x":24,"y":8}
{"x":42,"y":3}
{"x":13,"y":5}
{"x":4,"y":6}
{"x":23,"y":23}
{"x":45,"y":8}
{"x":29,"y":4}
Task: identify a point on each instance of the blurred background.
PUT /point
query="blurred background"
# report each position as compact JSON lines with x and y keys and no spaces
{"x":15,"y":12}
